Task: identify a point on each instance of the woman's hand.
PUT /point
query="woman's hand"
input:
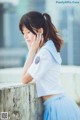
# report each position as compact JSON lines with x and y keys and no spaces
{"x":37,"y":42}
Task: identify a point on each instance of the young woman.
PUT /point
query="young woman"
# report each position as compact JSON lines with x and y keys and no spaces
{"x":43,"y":64}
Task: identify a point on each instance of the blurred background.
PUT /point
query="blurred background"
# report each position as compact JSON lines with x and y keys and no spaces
{"x":66,"y":17}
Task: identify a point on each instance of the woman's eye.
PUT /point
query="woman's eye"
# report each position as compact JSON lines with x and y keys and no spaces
{"x":28,"y":32}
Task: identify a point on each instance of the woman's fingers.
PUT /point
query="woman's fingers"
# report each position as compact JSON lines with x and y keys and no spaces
{"x":42,"y":41}
{"x":37,"y":42}
{"x":39,"y":37}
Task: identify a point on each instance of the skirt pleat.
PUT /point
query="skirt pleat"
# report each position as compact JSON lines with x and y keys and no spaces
{"x":61,"y":107}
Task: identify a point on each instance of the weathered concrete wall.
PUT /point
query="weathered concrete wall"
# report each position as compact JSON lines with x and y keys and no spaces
{"x":70,"y":77}
{"x":20,"y":102}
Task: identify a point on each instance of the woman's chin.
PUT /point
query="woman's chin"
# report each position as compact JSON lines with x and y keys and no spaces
{"x":28,"y":46}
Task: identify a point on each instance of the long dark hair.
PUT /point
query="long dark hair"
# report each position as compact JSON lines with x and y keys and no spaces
{"x":35,"y":20}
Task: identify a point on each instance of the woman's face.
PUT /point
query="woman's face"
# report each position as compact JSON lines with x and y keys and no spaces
{"x":28,"y":35}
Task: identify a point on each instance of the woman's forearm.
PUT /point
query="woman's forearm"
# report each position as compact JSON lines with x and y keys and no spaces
{"x":32,"y":52}
{"x":29,"y":61}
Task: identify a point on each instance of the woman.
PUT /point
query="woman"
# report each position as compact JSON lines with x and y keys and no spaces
{"x":43,"y":64}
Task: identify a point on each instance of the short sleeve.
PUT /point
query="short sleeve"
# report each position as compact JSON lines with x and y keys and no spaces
{"x":40,"y":65}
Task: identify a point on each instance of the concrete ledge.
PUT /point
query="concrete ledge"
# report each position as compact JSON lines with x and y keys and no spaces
{"x":20,"y":102}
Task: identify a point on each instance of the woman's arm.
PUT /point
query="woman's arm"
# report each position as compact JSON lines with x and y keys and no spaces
{"x":27,"y":77}
{"x":29,"y":61}
{"x":37,"y":43}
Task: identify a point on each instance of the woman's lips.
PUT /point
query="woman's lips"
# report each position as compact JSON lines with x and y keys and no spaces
{"x":28,"y":41}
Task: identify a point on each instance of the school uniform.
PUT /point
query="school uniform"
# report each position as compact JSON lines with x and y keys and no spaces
{"x":45,"y":70}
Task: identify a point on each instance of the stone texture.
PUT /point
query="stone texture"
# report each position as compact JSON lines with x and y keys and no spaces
{"x":21,"y":103}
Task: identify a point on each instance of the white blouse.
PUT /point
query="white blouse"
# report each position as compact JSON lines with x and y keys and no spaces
{"x":45,"y":70}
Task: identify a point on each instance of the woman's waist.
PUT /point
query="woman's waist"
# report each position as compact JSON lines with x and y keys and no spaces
{"x":53,"y":98}
{"x":49,"y":96}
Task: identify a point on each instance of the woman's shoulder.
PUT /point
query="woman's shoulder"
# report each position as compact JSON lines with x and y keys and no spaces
{"x":43,"y":51}
{"x":48,"y":49}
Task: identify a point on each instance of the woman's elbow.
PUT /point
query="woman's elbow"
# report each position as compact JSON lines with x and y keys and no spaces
{"x":26,"y":79}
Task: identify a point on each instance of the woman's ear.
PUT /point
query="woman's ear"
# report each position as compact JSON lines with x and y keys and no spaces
{"x":40,"y":30}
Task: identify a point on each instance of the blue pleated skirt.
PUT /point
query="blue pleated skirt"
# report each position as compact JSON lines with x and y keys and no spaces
{"x":61,"y":107}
